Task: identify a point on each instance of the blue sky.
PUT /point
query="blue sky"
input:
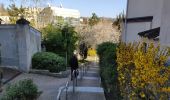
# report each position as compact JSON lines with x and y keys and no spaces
{"x":103,"y":8}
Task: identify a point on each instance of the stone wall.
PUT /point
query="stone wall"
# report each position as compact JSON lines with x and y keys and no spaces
{"x":9,"y":47}
{"x":18,"y":44}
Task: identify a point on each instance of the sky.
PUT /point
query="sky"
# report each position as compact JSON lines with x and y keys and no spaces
{"x":103,"y":8}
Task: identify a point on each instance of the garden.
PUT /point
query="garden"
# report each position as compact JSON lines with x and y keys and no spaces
{"x":133,"y":71}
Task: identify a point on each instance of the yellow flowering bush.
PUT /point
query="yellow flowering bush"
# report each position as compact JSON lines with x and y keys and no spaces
{"x":91,"y":52}
{"x":142,"y":73}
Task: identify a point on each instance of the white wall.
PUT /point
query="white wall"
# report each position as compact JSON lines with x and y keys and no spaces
{"x":64,"y":12}
{"x":142,"y":8}
{"x":34,"y":43}
{"x":18,"y":44}
{"x":165,"y":24}
{"x":9,"y":54}
{"x":134,"y":28}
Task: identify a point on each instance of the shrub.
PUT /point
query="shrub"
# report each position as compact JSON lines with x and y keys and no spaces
{"x":108,"y":69}
{"x":91,"y":52}
{"x":23,"y":90}
{"x":142,"y":72}
{"x":48,"y":61}
{"x":60,"y":40}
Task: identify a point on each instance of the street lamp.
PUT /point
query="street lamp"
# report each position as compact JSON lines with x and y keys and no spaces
{"x":65,"y":32}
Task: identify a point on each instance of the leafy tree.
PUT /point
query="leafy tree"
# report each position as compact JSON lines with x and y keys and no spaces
{"x":60,"y":21}
{"x":119,"y":21}
{"x":52,"y":38}
{"x":94,"y":19}
{"x":60,"y":40}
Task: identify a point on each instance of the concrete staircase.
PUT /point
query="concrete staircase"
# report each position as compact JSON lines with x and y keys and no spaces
{"x":88,"y":87}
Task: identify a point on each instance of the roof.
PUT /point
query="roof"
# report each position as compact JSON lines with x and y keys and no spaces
{"x":150,"y":34}
{"x":140,"y":19}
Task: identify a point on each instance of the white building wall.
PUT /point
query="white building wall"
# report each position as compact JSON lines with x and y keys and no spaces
{"x":64,"y":12}
{"x":133,"y":29}
{"x":141,"y":8}
{"x":165,"y":24}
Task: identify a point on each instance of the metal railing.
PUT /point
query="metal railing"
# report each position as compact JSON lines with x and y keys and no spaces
{"x":61,"y":90}
{"x":83,"y":69}
{"x":74,"y":76}
{"x":67,"y":85}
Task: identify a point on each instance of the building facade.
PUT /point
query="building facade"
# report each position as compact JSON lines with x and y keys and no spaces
{"x":18,"y":43}
{"x":50,"y":15}
{"x":147,"y":19}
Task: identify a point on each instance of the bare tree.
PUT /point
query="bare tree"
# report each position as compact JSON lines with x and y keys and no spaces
{"x":101,"y":32}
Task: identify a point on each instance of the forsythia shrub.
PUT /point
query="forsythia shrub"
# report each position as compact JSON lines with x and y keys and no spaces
{"x":142,"y":73}
{"x":91,"y":52}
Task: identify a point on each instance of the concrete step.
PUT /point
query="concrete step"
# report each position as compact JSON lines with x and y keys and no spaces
{"x":93,"y":69}
{"x":88,"y":81}
{"x":84,"y":93}
{"x":88,"y":87}
{"x":91,"y":74}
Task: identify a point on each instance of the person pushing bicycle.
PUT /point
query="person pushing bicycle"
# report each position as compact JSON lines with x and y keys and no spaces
{"x":74,"y":64}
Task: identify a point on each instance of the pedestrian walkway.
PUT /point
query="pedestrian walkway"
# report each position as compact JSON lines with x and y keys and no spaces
{"x":88,"y":87}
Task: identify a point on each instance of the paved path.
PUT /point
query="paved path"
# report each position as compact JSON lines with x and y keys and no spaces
{"x":9,"y":74}
{"x":88,"y":87}
{"x":47,"y":85}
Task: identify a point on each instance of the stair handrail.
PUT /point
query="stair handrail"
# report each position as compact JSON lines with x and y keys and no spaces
{"x":61,"y":90}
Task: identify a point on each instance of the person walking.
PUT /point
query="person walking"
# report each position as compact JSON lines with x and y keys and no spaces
{"x":73,"y":64}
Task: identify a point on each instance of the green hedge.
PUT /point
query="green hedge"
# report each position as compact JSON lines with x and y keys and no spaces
{"x":23,"y":90}
{"x":48,"y":61}
{"x":108,"y":69}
